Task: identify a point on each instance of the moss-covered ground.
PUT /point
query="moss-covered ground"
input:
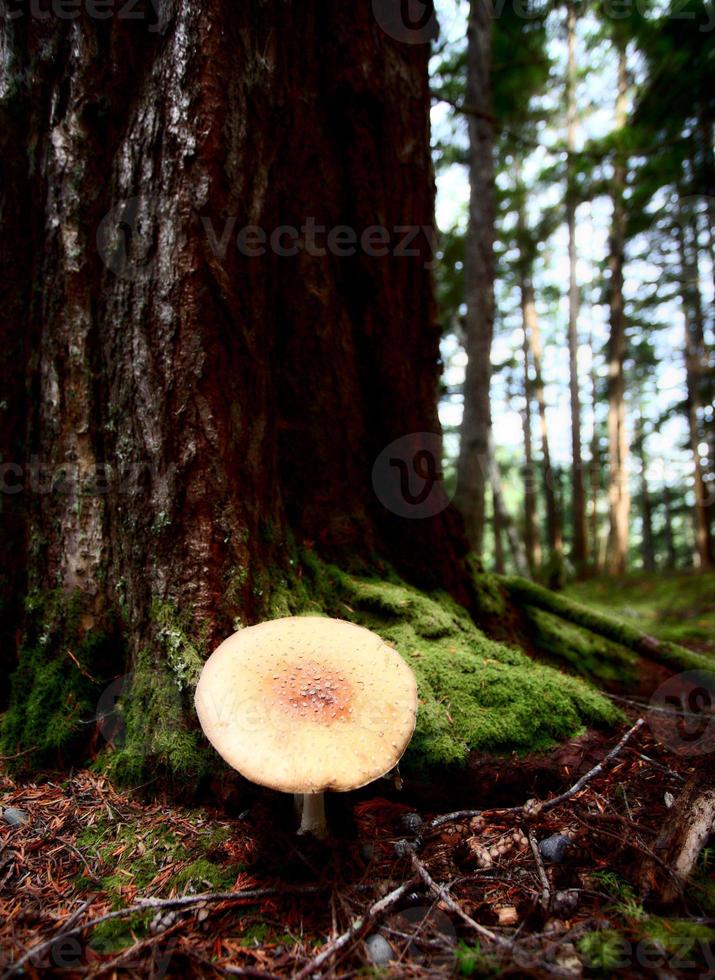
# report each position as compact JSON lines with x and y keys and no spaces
{"x":674,"y":606}
{"x":475,"y":694}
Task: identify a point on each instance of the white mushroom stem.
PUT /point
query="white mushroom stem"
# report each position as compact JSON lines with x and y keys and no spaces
{"x":313,"y":814}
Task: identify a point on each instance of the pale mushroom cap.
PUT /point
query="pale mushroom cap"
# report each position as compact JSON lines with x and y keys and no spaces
{"x":307,"y":704}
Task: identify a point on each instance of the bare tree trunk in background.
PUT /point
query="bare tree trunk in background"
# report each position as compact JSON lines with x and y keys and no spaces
{"x":619,"y":501}
{"x":670,"y":556}
{"x":191,"y":380}
{"x":595,"y":472}
{"x":504,"y":517}
{"x":647,"y":546}
{"x":532,"y":542}
{"x":695,"y":361}
{"x":479,"y":277}
{"x":579,"y":551}
{"x":553,"y":518}
{"x":498,"y":529}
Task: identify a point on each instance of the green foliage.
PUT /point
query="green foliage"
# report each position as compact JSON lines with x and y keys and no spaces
{"x":472,"y":961}
{"x":602,"y":950}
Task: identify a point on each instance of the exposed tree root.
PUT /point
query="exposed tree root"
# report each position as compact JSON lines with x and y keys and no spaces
{"x":679,"y":844}
{"x":661,"y":651}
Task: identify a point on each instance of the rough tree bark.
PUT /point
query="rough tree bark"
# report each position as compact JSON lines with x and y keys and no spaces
{"x":618,"y":491}
{"x":181,"y":384}
{"x":579,"y":550}
{"x":473,"y":461}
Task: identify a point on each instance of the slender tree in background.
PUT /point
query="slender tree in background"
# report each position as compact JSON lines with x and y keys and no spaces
{"x":646,"y":504}
{"x":553,"y":518}
{"x":578,"y":500}
{"x":618,"y":489}
{"x":473,"y":464}
{"x":532,"y":542}
{"x":694,"y":347}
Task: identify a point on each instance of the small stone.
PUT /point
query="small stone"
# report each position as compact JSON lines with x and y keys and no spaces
{"x":15,"y":817}
{"x":411,"y":822}
{"x":379,"y":950}
{"x":566,"y":902}
{"x":668,"y":799}
{"x":403,"y":848}
{"x":554,"y":848}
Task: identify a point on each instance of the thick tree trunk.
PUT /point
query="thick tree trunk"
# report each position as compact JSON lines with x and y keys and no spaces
{"x":213,"y":406}
{"x":479,"y":276}
{"x":532,"y":542}
{"x":618,"y":491}
{"x":579,"y":552}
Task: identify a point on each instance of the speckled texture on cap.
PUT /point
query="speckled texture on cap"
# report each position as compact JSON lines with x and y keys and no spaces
{"x":307,"y":704}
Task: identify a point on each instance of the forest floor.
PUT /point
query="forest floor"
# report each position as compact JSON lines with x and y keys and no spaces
{"x":574,"y":874}
{"x":675,"y":606}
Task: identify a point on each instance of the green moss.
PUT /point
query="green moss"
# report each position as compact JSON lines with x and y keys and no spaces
{"x":675,"y":606}
{"x":607,"y":626}
{"x":161,"y":737}
{"x":603,"y":950}
{"x":591,"y":656}
{"x":62,"y":669}
{"x":185,"y":654}
{"x":474,"y":693}
{"x":473,"y":961}
{"x":202,"y":874}
{"x":118,"y":934}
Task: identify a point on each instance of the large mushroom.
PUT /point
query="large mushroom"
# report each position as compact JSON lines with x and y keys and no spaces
{"x":307,"y":704}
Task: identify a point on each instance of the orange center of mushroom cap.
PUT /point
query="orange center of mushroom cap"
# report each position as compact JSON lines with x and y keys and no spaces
{"x":311,"y":690}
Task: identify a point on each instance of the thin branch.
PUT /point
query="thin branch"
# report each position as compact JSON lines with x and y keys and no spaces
{"x":376,"y":910}
{"x":148,"y":904}
{"x":441,"y":892}
{"x":549,"y":804}
{"x":578,"y":786}
{"x":543,"y":878}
